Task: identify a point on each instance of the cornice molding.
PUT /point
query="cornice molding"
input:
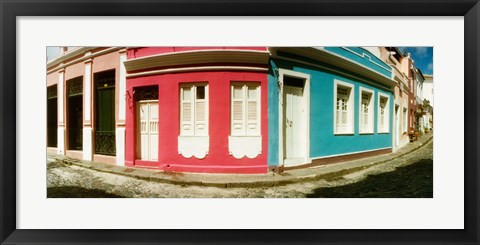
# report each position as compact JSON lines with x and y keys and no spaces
{"x":331,"y":58}
{"x":198,"y":57}
{"x":84,"y":50}
{"x":197,"y":68}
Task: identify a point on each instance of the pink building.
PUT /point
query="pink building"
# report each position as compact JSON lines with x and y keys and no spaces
{"x":85,"y":104}
{"x":404,"y":112}
{"x":197,"y":109}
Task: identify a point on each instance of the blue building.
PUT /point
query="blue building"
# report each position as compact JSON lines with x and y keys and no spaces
{"x":327,"y":104}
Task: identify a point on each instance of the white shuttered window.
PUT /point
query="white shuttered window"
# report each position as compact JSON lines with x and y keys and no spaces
{"x":366,"y":111}
{"x":245,"y":109}
{"x":383,"y":113}
{"x":194,"y":110}
{"x":343,"y":107}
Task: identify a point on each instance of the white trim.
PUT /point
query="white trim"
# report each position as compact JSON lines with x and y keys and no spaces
{"x":387,"y":113}
{"x":241,"y":146}
{"x":306,"y":97}
{"x":87,"y":97}
{"x":350,"y":111}
{"x":197,"y":146}
{"x":87,"y":143}
{"x":60,"y":96}
{"x":350,"y":153}
{"x":61,"y":140}
{"x":371,"y":109}
{"x":198,"y":68}
{"x":122,"y":88}
{"x":120,"y":145}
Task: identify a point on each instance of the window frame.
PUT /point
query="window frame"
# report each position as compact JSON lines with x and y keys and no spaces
{"x":245,"y":88}
{"x":349,"y":128}
{"x":386,"y":121}
{"x":193,"y":101}
{"x":371,"y":108}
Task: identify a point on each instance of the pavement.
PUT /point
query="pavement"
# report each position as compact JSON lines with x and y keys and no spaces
{"x":331,"y":171}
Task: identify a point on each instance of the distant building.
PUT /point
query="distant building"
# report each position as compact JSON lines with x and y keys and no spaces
{"x":428,"y":88}
{"x":428,"y":96}
{"x":401,"y":74}
{"x":420,"y":126}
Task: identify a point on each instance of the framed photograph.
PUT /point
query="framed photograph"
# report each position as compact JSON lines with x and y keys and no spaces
{"x":274,"y":32}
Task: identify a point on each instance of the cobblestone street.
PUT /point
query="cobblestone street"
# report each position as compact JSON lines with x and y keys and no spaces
{"x":408,"y":176}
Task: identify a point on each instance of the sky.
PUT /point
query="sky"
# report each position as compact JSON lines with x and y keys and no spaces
{"x":52,"y":52}
{"x":423,"y":57}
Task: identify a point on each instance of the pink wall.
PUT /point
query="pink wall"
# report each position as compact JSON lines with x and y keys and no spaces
{"x":218,"y":160}
{"x":52,"y":79}
{"x":141,"y":52}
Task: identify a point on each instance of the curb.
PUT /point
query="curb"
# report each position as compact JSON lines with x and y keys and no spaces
{"x":237,"y":180}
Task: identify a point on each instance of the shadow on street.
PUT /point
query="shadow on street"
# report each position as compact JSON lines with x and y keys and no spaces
{"x":77,"y":192}
{"x":412,"y":181}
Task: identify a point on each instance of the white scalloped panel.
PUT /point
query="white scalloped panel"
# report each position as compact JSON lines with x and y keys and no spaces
{"x":197,"y":146}
{"x":241,"y":146}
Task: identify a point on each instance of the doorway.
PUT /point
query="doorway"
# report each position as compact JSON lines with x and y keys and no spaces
{"x":294,"y":119}
{"x":105,"y":113}
{"x":146,"y":122}
{"x":147,"y":130}
{"x":75,"y":113}
{"x":52,"y":117}
{"x":397,"y":126}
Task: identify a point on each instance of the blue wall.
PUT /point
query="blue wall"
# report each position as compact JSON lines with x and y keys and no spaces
{"x":322,"y":140}
{"x":363,"y":57}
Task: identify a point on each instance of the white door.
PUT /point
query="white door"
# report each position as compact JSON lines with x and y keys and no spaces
{"x":293,"y":126}
{"x":147,"y":130}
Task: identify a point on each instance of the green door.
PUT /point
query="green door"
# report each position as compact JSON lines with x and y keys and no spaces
{"x":105,"y":116}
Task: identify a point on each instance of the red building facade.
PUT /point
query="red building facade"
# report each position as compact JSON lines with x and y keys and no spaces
{"x":197,"y":109}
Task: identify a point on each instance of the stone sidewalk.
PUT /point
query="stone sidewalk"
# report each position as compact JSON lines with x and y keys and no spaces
{"x":330,"y":171}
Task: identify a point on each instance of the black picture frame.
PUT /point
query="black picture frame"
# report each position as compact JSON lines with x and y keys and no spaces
{"x":9,"y":234}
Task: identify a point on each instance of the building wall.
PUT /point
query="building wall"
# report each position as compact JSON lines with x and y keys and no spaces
{"x":363,"y":57}
{"x":218,"y":158}
{"x":401,"y":99}
{"x":85,"y":62}
{"x":147,"y":51}
{"x":428,"y":88}
{"x":323,"y":142}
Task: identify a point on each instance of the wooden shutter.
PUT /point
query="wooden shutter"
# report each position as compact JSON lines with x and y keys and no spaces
{"x":153,"y":130}
{"x":186,"y":111}
{"x":238,"y":121}
{"x":142,"y":145}
{"x":253,"y":110}
{"x":201,"y":117}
